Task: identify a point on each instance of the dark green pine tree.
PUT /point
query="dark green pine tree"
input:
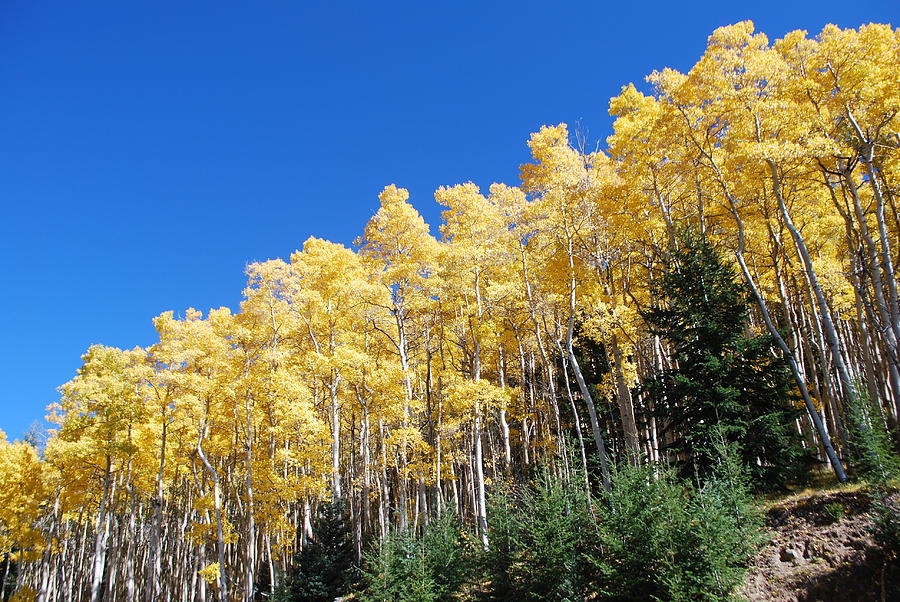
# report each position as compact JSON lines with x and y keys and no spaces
{"x":326,"y":567}
{"x":723,"y":382}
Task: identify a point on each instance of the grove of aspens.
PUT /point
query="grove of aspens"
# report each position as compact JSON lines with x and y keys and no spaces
{"x":704,"y":312}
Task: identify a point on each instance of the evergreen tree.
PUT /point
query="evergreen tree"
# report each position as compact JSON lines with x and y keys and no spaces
{"x":878,"y":464}
{"x":395,"y":569}
{"x":723,"y":383}
{"x":447,"y":557}
{"x":326,"y":567}
{"x":405,"y":568}
{"x":495,"y":564}
{"x":662,"y":539}
{"x":541,"y":534}
{"x":870,"y":441}
{"x":555,"y":528}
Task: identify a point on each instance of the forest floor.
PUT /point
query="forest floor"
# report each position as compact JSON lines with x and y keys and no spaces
{"x":822,"y":549}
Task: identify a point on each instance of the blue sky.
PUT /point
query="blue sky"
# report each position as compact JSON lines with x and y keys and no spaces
{"x":150,"y":150}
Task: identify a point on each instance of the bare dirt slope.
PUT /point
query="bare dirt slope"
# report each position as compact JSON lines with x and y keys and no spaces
{"x":823,"y":549}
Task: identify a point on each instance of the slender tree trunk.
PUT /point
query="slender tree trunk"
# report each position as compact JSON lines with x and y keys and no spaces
{"x":825,"y":313}
{"x":481,"y":508}
{"x":5,"y":576}
{"x":786,"y":351}
{"x":580,"y":436}
{"x":626,"y":405}
{"x":579,"y":377}
{"x":217,"y":502}
{"x":504,"y":425}
{"x":250,"y":535}
{"x":335,"y":438}
{"x":152,"y":572}
{"x":101,"y":534}
{"x":545,"y":360}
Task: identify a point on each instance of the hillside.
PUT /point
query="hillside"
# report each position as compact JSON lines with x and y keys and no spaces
{"x":823,"y":549}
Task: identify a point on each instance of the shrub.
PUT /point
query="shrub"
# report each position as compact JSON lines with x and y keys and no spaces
{"x":326,"y":567}
{"x":663,"y":539}
{"x":877,"y":463}
{"x":405,"y":568}
{"x":540,"y":536}
{"x":870,"y":441}
{"x":834,"y":512}
{"x":554,"y":532}
{"x":447,"y":556}
{"x":394,"y":569}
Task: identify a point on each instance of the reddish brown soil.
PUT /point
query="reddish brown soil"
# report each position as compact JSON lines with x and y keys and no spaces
{"x":822,"y":549}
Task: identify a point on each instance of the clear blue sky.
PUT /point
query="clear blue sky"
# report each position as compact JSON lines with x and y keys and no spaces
{"x":150,"y":150}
